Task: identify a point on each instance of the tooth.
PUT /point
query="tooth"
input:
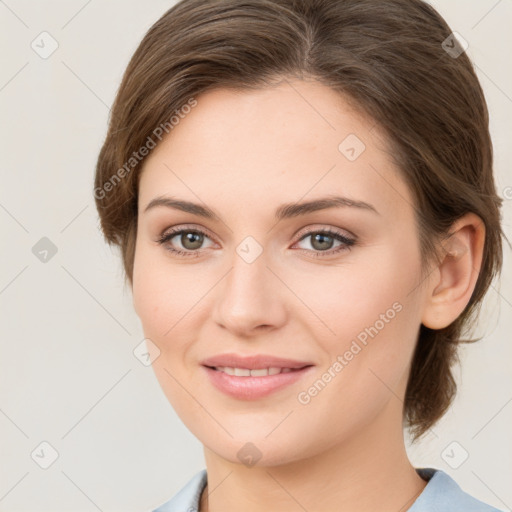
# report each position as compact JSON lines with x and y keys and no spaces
{"x":242,"y":372}
{"x":245,"y":372}
{"x":259,"y":373}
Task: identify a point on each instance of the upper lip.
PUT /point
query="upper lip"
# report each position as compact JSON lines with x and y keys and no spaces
{"x":253,"y":362}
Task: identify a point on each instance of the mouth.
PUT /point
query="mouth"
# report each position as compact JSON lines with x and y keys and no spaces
{"x":255,"y":372}
{"x":258,"y":381}
{"x":253,"y":362}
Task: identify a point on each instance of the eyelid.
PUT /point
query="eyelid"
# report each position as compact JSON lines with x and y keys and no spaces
{"x":308,"y":230}
{"x":185,"y":227}
{"x":172,"y":231}
{"x":347,"y":239}
{"x":315,"y":228}
{"x":346,"y":243}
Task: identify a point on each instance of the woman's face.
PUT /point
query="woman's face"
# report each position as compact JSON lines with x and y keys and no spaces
{"x":333,"y":289}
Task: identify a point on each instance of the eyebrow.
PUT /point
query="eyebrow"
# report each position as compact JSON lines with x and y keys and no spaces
{"x":285,"y":211}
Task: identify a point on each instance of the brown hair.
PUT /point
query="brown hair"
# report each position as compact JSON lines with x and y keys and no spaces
{"x":395,"y":59}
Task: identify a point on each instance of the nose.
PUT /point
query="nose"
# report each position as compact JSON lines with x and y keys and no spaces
{"x":250,"y":299}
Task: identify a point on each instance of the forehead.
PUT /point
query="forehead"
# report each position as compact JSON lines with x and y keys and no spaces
{"x":282,"y":143}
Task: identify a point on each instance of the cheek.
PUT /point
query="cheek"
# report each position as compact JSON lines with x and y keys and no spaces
{"x":157,"y":301}
{"x":366,"y":363}
{"x":368,"y":289}
{"x":163,"y":299}
{"x":161,"y":293}
{"x":370,"y":319}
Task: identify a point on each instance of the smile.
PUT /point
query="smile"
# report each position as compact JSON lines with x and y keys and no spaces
{"x":253,"y":384}
{"x":246,"y":372}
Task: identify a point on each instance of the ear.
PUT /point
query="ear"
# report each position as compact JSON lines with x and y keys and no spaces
{"x":453,"y":280}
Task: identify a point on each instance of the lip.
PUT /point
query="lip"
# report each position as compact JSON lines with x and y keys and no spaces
{"x":253,"y":388}
{"x":253,"y":362}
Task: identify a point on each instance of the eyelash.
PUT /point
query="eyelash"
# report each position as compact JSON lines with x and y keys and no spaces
{"x":347,"y":243}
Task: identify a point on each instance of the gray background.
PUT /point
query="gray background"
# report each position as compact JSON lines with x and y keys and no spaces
{"x":67,"y":369}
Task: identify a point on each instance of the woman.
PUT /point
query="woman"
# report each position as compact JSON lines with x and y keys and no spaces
{"x":302,"y":191}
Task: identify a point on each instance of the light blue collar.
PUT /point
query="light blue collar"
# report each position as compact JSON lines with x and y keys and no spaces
{"x":441,"y":494}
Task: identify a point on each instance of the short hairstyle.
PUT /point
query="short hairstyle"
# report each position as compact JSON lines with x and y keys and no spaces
{"x":397,"y":61}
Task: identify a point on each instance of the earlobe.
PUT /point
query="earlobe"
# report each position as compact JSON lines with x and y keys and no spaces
{"x":457,"y":272}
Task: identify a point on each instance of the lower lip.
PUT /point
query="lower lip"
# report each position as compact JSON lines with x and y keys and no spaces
{"x":252,"y":388}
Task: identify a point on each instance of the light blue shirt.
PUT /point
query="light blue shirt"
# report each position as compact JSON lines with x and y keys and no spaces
{"x":441,"y":494}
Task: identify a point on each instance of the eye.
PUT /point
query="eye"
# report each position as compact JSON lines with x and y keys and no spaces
{"x":190,"y":239}
{"x":322,"y":242}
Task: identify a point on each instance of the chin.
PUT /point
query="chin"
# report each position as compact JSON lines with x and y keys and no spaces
{"x":258,"y":450}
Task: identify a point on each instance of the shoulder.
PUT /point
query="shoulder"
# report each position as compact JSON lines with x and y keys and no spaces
{"x":443,"y":494}
{"x":187,"y":499}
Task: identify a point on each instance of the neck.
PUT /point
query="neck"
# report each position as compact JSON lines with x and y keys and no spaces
{"x":370,"y":472}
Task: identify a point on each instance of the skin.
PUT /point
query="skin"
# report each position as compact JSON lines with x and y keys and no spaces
{"x":243,"y":154}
